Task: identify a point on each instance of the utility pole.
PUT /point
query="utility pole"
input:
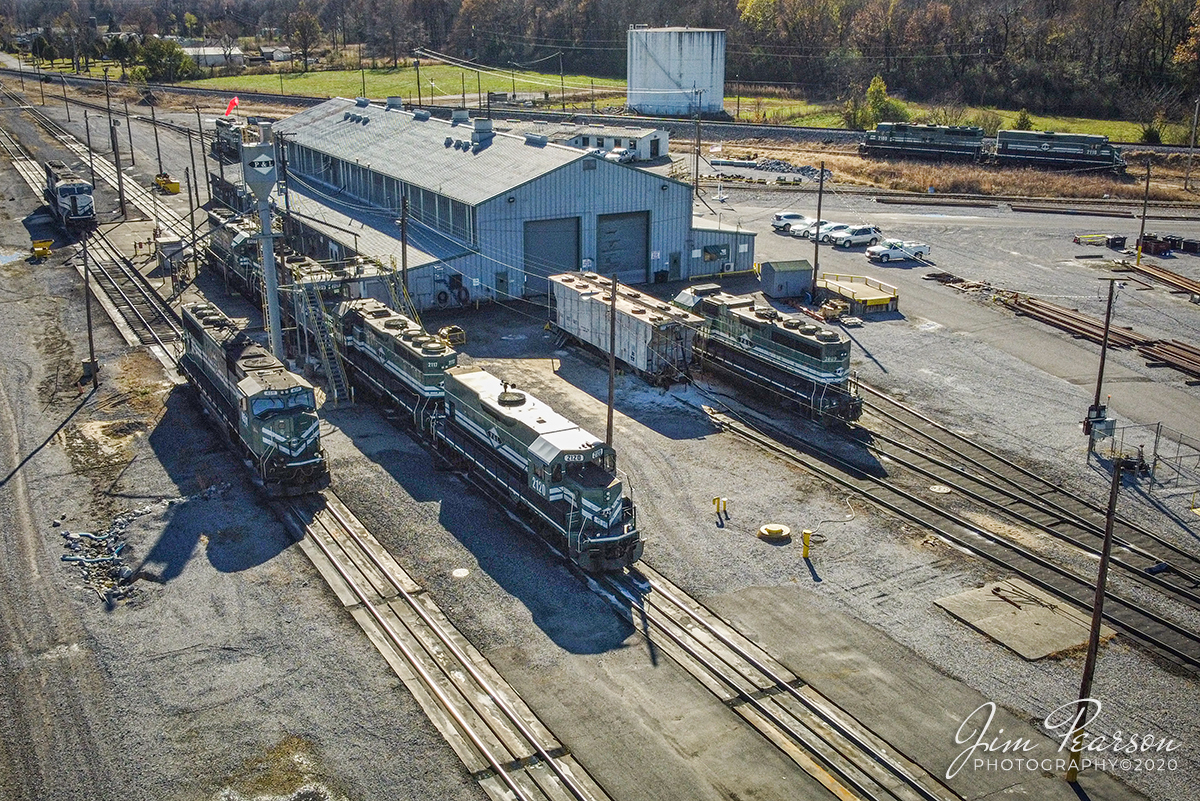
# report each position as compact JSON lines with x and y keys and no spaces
{"x":157,"y":149}
{"x":129,"y":131}
{"x":67,"y":105}
{"x":21,"y":70}
{"x":107,"y":98}
{"x":696,"y":159}
{"x":817,"y":233}
{"x":1096,"y":412}
{"x":1187,"y":175}
{"x":562,"y":86}
{"x":363,"y":73}
{"x":191,"y":217}
{"x":116,"y":151}
{"x":478,"y":90}
{"x":87,"y":127}
{"x":417,"y":67}
{"x":1145,"y":202}
{"x":1089,"y":665}
{"x":404,"y":251}
{"x":738,"y":84}
{"x":612,"y":361}
{"x":195,"y":178}
{"x":87,"y":302}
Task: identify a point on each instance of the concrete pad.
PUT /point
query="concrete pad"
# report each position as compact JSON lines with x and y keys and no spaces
{"x":1022,"y":618}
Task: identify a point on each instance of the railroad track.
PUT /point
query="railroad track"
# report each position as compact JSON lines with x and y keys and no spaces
{"x":848,"y":759}
{"x":148,"y":317}
{"x":1027,"y":499}
{"x":500,"y":740}
{"x":144,"y":199}
{"x":1176,"y":643}
{"x":152,"y":321}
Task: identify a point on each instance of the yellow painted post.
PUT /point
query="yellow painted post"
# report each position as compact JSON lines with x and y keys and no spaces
{"x":805,"y":537}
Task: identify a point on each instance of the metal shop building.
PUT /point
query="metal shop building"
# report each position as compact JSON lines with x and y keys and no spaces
{"x":509,"y":210}
{"x":646,"y":144}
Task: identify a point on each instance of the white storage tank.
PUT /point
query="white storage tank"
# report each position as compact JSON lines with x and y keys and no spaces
{"x":675,"y":71}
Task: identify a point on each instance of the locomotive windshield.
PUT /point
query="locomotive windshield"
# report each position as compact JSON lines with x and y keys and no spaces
{"x":266,"y":407}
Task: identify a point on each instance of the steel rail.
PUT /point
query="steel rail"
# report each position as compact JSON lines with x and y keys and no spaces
{"x":467,"y":663}
{"x":1003,"y":552}
{"x":394,"y":637}
{"x":963,"y":443}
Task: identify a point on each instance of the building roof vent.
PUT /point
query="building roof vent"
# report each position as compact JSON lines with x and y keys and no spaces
{"x":365,"y":120}
{"x":449,"y":141}
{"x":362,"y":102}
{"x":537,"y":140}
{"x":460,"y":115}
{"x":346,"y":115}
{"x":421,"y":114}
{"x":395,"y":101}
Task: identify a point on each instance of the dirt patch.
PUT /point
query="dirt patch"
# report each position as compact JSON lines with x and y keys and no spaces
{"x":290,"y":771}
{"x":60,"y":383}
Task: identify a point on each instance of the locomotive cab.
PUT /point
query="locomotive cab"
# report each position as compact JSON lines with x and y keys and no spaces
{"x":279,"y":415}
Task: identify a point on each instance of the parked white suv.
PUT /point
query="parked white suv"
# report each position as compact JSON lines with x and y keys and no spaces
{"x":621,"y":155}
{"x":857,"y":235}
{"x":785,"y":221}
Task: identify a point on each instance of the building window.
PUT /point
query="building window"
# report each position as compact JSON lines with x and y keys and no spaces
{"x":586,"y":139}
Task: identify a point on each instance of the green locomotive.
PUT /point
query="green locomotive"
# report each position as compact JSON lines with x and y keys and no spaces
{"x":563,"y":475}
{"x":268,"y":412}
{"x":393,"y":356}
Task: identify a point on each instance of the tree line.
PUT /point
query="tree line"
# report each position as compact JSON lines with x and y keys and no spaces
{"x":1136,"y":59}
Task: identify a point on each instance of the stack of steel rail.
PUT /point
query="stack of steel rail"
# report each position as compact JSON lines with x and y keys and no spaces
{"x":1174,"y":280}
{"x":1172,"y":353}
{"x":1072,"y":321}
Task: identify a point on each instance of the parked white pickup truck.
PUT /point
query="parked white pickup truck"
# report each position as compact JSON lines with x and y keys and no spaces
{"x":890,"y":249}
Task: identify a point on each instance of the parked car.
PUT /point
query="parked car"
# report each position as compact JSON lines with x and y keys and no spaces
{"x":857,"y":235}
{"x":828,"y":231}
{"x":890,"y":249}
{"x":621,"y":155}
{"x":807,"y":231}
{"x":787,"y":220}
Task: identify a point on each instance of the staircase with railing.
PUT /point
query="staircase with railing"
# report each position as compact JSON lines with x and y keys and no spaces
{"x":339,"y":385}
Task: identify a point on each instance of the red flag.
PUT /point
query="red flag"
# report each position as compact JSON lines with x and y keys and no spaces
{"x":232,"y":103}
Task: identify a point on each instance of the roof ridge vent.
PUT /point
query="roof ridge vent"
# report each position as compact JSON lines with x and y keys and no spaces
{"x":537,"y":140}
{"x":421,"y":114}
{"x":460,"y":115}
{"x":395,"y":101}
{"x":362,"y":102}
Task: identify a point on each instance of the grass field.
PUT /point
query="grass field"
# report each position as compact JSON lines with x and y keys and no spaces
{"x":440,"y":84}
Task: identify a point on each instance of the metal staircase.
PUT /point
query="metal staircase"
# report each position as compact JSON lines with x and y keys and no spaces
{"x":339,"y":385}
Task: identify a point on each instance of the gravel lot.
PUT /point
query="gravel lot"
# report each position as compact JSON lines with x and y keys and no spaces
{"x":238,"y":674}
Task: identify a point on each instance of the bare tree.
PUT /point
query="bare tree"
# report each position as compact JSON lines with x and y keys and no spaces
{"x":306,"y":34}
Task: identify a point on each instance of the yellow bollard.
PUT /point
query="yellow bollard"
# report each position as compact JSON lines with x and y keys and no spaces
{"x":721,"y":505}
{"x":805,"y":537}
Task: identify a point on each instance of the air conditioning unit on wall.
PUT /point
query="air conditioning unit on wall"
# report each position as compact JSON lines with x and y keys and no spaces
{"x":727,"y":267}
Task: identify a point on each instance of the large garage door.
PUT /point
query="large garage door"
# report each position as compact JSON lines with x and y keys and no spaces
{"x":623,"y":246}
{"x":551,"y":247}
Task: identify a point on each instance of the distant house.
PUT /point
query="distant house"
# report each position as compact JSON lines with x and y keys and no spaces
{"x":216,"y":56}
{"x":271,"y":53}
